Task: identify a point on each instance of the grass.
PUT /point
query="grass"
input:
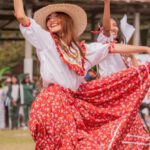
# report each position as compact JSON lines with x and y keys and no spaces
{"x":16,"y":140}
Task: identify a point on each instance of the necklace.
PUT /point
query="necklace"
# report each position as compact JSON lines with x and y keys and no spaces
{"x":76,"y":65}
{"x":70,"y":51}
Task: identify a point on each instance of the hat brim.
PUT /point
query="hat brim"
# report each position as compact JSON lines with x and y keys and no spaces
{"x":77,"y":14}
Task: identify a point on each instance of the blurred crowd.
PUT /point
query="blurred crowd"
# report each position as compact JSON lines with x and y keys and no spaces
{"x":16,"y":96}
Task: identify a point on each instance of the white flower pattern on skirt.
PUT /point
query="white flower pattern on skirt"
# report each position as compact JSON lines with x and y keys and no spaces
{"x":101,"y":115}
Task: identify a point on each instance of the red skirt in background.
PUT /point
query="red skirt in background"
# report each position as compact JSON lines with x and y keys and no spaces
{"x":101,"y":115}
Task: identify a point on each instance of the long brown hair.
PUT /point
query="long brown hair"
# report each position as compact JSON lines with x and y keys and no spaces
{"x":68,"y":33}
{"x":121,"y":38}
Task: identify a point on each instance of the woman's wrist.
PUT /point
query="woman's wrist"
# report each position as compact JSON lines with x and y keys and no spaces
{"x":146,"y":49}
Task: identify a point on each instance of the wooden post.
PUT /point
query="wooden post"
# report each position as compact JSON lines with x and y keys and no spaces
{"x":28,"y":61}
{"x":93,"y":26}
{"x":136,"y":38}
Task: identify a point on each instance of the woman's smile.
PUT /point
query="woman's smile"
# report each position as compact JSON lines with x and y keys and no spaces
{"x":54,"y":23}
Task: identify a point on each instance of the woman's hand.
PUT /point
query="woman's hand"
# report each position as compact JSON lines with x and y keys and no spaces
{"x":14,"y":102}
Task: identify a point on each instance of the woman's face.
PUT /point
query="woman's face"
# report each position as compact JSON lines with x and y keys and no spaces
{"x":54,"y":23}
{"x":14,"y":80}
{"x":27,"y":80}
{"x":114,"y":28}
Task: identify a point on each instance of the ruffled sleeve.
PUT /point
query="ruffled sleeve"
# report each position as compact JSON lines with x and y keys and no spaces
{"x":96,"y":52}
{"x":37,"y":36}
{"x":102,"y":38}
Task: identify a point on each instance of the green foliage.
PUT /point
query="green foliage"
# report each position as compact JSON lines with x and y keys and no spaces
{"x":4,"y":71}
{"x":11,"y":54}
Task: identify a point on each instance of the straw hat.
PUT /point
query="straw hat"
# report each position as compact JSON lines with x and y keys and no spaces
{"x":77,"y":14}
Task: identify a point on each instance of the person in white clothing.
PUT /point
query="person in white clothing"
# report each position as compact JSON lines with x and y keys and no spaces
{"x":14,"y":96}
{"x":111,"y":32}
{"x":69,"y":114}
{"x":7,"y":83}
{"x":2,"y":110}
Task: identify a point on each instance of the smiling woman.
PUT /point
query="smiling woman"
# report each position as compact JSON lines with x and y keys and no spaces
{"x":54,"y":23}
{"x":70,"y":114}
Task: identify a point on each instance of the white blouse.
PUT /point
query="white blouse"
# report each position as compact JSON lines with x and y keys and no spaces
{"x":52,"y":69}
{"x":15,"y":91}
{"x":112,"y":62}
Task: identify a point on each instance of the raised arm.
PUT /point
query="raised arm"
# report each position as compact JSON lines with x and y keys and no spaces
{"x":106,"y":17}
{"x":31,"y":30}
{"x":19,"y":12}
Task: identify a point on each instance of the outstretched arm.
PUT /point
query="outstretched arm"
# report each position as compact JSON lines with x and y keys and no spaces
{"x":19,"y":13}
{"x":97,"y":52}
{"x":120,"y":48}
{"x":106,"y":17}
{"x":31,"y":30}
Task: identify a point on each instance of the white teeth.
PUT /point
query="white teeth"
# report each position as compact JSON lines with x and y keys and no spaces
{"x":53,"y":25}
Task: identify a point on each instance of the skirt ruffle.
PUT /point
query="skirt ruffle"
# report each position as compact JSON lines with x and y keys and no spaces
{"x":101,"y":115}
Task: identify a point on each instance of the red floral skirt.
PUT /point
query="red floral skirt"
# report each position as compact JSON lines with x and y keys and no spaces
{"x":101,"y":115}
